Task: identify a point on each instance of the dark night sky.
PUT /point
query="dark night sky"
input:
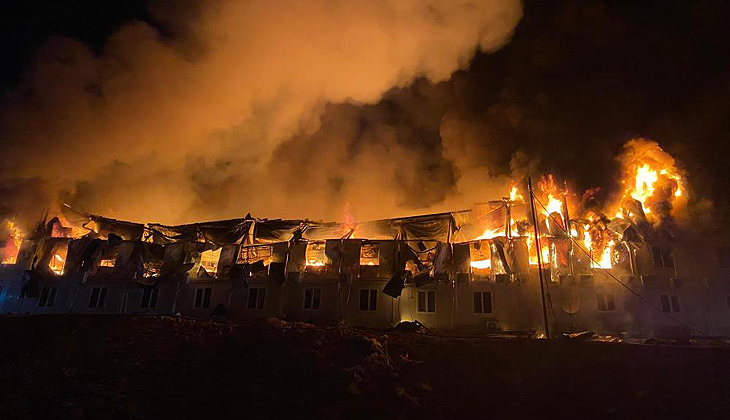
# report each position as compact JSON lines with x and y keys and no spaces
{"x":25,"y":25}
{"x":576,"y":73}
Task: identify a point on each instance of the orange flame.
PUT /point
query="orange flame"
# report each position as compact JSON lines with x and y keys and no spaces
{"x":12,"y":247}
{"x":514,"y":194}
{"x":652,"y":177}
{"x":489,"y":234}
{"x":57,"y":263}
{"x":481,"y":264}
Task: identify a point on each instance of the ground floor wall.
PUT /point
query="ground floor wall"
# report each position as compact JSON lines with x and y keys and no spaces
{"x":473,"y":306}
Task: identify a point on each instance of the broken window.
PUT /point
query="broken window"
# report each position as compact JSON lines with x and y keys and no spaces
{"x":605,"y":302}
{"x":482,"y":302}
{"x":151,"y":268}
{"x":368,"y":299}
{"x":58,"y":258}
{"x":314,"y":254}
{"x":47,"y":297}
{"x":312,"y":299}
{"x":370,"y":253}
{"x":670,"y":303}
{"x":202,"y":297}
{"x":427,"y":301}
{"x":149,"y":297}
{"x":480,"y":262}
{"x":662,"y":257}
{"x":252,"y":254}
{"x":256,"y":297}
{"x":209,"y":260}
{"x":98,"y":297}
{"x":107,"y":263}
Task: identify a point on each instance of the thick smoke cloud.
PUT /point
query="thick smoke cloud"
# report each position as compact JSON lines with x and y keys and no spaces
{"x":246,"y":106}
{"x":387,"y":108}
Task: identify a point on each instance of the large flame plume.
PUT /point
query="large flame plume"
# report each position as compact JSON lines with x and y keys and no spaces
{"x":652,"y":178}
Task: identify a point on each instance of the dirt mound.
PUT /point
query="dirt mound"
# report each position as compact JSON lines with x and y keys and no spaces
{"x":167,"y":367}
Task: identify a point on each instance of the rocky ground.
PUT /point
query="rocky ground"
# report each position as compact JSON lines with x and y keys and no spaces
{"x":107,"y":367}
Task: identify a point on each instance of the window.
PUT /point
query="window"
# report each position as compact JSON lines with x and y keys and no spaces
{"x":723,"y":256}
{"x":368,"y":299}
{"x":98,"y":297}
{"x":209,"y":260}
{"x":202,"y":298}
{"x":370,"y":253}
{"x":256,"y":298}
{"x":149,"y":297}
{"x":315,"y":254}
{"x":670,"y":303}
{"x":48,"y":296}
{"x":605,"y":302}
{"x":252,"y":254}
{"x":480,"y":258}
{"x":312,"y":299}
{"x":662,"y":257}
{"x":107,"y":263}
{"x":58,"y":260}
{"x":151,"y":268}
{"x":427,"y":301}
{"x":482,"y":302}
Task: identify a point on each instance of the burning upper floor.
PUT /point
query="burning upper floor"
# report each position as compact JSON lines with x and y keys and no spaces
{"x":572,"y":231}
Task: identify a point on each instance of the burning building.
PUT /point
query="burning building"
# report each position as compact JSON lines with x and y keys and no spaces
{"x":538,"y":259}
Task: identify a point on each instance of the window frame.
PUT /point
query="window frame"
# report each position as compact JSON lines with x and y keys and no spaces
{"x":370,"y":246}
{"x":214,"y":263}
{"x":313,"y":250}
{"x":481,"y":301}
{"x":151,"y":299}
{"x":47,"y":297}
{"x":315,"y":296}
{"x":371,"y":301}
{"x":97,"y":299}
{"x":58,"y":249}
{"x":250,"y":254}
{"x":605,"y":302}
{"x":429,"y":302}
{"x":259,"y":302}
{"x":203,"y":295}
{"x":665,"y":255}
{"x":105,"y":262}
{"x":670,"y":303}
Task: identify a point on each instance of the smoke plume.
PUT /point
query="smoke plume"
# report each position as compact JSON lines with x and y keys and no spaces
{"x":251,"y":106}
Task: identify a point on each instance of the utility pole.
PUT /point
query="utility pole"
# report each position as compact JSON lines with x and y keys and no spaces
{"x":539,"y":257}
{"x":567,"y":228}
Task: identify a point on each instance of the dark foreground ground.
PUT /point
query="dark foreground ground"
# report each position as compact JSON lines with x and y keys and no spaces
{"x":107,"y":367}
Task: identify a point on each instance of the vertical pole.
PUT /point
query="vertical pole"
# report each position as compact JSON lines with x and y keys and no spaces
{"x":452,"y":277}
{"x":539,"y":257}
{"x":508,"y":228}
{"x":567,"y":228}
